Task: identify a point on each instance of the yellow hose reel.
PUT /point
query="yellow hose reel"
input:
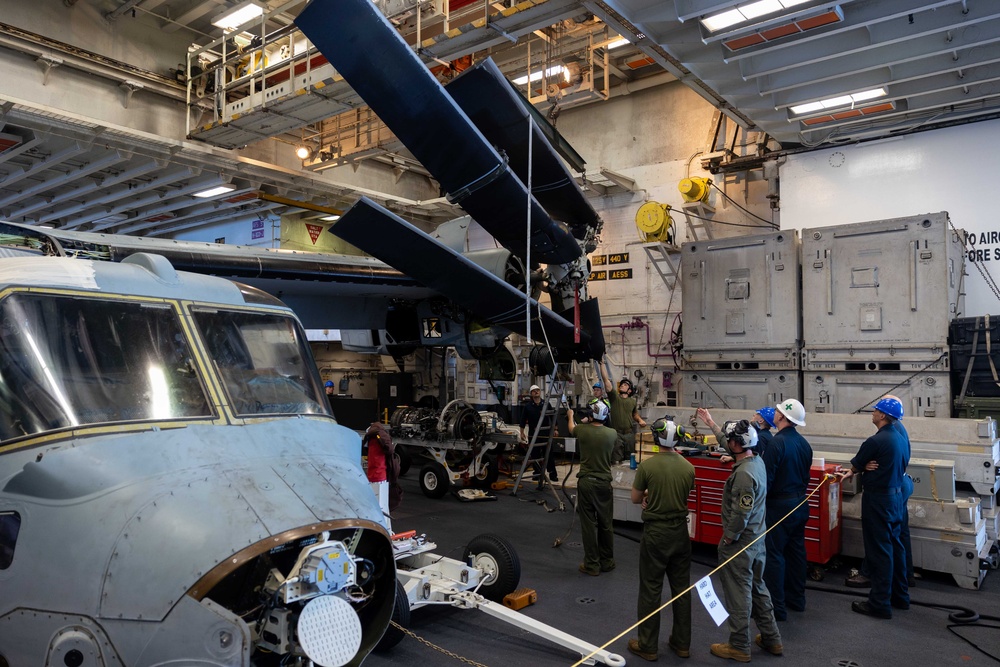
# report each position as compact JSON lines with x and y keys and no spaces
{"x":654,"y":223}
{"x":694,"y":189}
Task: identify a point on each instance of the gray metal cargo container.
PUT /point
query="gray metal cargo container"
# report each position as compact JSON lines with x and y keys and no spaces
{"x":925,"y":394}
{"x":742,"y":301}
{"x":739,"y":390}
{"x":881,"y":291}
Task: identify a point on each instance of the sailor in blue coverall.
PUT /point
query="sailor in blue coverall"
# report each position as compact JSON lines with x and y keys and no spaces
{"x":882,"y":510}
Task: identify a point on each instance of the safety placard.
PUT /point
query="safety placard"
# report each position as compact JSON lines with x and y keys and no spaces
{"x":706,"y":592}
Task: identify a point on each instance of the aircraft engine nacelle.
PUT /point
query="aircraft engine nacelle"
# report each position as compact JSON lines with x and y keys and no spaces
{"x":458,"y":421}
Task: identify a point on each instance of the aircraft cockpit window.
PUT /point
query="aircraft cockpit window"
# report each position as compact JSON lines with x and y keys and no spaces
{"x":10,"y":526}
{"x":264,"y":362}
{"x":73,"y":361}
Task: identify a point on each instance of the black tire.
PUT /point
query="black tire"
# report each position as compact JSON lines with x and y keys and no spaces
{"x":405,"y":459}
{"x":434,"y":481}
{"x":489,"y":471}
{"x":496,"y":556}
{"x":400,"y":616}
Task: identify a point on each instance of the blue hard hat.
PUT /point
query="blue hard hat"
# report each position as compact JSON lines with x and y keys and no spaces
{"x":328,"y":383}
{"x":598,"y":385}
{"x":891,"y":406}
{"x":768,"y":415}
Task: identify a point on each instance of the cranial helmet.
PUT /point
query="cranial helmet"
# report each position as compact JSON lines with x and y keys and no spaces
{"x":891,"y":406}
{"x":664,"y":432}
{"x":793,"y":411}
{"x":628,"y":383}
{"x":768,"y":415}
{"x":742,"y":433}
{"x":600,"y":410}
{"x":328,"y":383}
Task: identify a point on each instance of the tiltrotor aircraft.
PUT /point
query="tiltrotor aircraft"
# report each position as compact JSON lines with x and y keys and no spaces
{"x":173,"y":488}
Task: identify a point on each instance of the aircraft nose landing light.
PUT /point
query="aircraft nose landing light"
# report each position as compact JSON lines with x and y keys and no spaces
{"x":329,"y":631}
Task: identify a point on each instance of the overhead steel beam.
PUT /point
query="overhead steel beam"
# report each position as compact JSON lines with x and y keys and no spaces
{"x":82,"y":171}
{"x":883,"y":42}
{"x":111,"y":194}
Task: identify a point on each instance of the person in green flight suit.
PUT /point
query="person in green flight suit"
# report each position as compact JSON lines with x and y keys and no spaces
{"x":743,"y":522}
{"x":662,"y":484}
{"x":595,"y":502}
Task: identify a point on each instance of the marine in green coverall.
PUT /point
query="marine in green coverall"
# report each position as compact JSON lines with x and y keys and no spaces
{"x":594,"y":502}
{"x":662,"y":484}
{"x":624,"y":416}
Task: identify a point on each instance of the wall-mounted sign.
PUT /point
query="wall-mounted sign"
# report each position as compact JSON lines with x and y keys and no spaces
{"x":598,"y":260}
{"x":598,"y":275}
{"x":620,"y":274}
{"x":618,"y":258}
{"x":314,"y":231}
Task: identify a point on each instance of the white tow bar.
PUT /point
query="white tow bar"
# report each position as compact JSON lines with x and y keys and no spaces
{"x":470,"y":600}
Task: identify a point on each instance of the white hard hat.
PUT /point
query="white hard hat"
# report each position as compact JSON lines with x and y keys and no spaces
{"x":664,"y":430}
{"x":742,"y":432}
{"x":793,"y":411}
{"x":533,"y":388}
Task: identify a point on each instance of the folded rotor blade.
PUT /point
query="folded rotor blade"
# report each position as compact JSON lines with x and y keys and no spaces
{"x":398,"y":243}
{"x":372,"y":56}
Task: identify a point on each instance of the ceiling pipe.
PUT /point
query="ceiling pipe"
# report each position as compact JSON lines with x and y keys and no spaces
{"x":88,"y":187}
{"x":121,"y":193}
{"x":83,"y":170}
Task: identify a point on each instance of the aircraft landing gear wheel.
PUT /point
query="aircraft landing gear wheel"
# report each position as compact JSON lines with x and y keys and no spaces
{"x":405,"y":459}
{"x":434,"y":480}
{"x":494,"y":556}
{"x":488,"y":473}
{"x":400,"y":616}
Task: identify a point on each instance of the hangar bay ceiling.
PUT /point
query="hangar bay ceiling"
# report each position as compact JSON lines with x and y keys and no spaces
{"x":805,"y":73}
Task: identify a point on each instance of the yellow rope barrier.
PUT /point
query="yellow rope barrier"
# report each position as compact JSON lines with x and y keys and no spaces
{"x":826,"y":478}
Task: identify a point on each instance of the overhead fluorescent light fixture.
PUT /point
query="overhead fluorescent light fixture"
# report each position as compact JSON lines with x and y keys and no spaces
{"x":747,"y":12}
{"x":238,"y":15}
{"x":535,"y":76}
{"x":330,"y":218}
{"x":216,"y":191}
{"x":839,"y":101}
{"x":615,"y":43}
